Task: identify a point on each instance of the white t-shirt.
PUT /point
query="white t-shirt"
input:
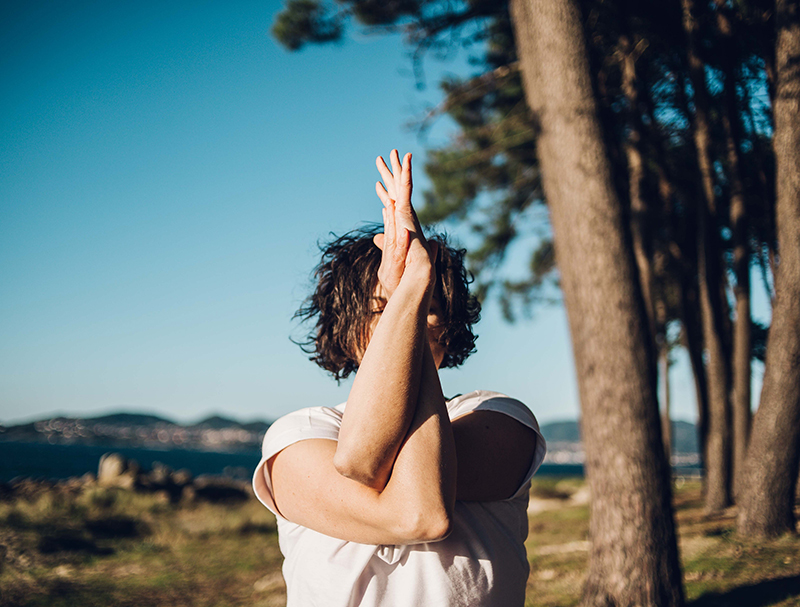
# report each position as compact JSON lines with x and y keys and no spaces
{"x":482,"y":563}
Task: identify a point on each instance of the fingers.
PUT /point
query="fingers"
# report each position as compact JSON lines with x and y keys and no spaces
{"x":387,"y":177}
{"x":396,"y":190}
{"x":383,"y":194}
{"x":389,"y":227}
{"x":406,"y":175}
{"x":394,"y":158}
{"x":403,"y":194}
{"x":398,"y":179}
{"x":402,"y":244}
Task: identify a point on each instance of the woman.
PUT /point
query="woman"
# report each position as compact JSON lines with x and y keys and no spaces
{"x":401,"y":497}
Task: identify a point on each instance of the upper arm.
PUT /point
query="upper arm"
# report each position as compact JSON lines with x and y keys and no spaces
{"x":494,"y":453}
{"x":308,"y":491}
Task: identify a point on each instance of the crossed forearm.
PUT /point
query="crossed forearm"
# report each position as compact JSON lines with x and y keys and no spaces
{"x":424,"y":473}
{"x":384,"y":396}
{"x":396,"y":435}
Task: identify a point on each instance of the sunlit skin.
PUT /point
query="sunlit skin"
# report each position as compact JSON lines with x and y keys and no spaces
{"x":434,"y":323}
{"x":399,"y":463}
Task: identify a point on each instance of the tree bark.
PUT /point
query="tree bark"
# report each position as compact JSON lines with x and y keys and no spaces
{"x":693,"y":342}
{"x":684,"y":255}
{"x":741,"y":358}
{"x":639,"y":213}
{"x":771,"y":469}
{"x":634,"y":554}
{"x":666,"y":420}
{"x":718,"y":445}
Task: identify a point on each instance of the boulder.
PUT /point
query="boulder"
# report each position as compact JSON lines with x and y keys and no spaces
{"x":182,"y":477}
{"x":160,"y":475}
{"x":115,"y":470}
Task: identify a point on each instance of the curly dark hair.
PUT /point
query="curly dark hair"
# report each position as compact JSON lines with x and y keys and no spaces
{"x":341,"y":303}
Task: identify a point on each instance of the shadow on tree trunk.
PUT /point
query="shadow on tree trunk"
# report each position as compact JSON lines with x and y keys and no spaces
{"x":754,"y":595}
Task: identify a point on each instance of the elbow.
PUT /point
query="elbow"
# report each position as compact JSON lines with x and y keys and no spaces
{"x":438,"y":529}
{"x":356,"y":469}
{"x":427,"y":526}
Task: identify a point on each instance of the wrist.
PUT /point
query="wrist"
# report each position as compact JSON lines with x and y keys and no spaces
{"x":415,"y":289}
{"x":420,"y":278}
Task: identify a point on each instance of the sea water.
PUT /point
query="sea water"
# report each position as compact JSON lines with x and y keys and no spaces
{"x":57,"y":462}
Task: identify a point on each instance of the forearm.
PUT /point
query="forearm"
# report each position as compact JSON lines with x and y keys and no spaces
{"x":423,"y":481}
{"x":383,"y":399}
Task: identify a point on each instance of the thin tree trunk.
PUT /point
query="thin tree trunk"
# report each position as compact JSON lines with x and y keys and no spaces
{"x":691,"y":335}
{"x":742,"y":341}
{"x":765,"y":193}
{"x":771,"y":469}
{"x":634,"y":554}
{"x":639,"y":216}
{"x":693,"y":342}
{"x":718,"y":446}
{"x":740,"y":367}
{"x":666,"y":420}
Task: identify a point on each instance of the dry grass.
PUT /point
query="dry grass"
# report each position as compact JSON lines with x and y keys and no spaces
{"x":110,"y":547}
{"x":720,"y":569}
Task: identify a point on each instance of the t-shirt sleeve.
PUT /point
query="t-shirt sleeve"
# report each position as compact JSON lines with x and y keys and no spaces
{"x":494,"y":401}
{"x":305,"y":424}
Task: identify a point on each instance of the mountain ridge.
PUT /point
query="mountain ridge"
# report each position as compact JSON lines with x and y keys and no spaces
{"x":217,"y":431}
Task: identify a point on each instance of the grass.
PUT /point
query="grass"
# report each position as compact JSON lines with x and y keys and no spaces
{"x":112,"y":547}
{"x":720,"y":568}
{"x":102,"y":547}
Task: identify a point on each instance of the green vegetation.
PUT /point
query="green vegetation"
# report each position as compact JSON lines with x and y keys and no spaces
{"x":720,"y":568}
{"x":114,"y":547}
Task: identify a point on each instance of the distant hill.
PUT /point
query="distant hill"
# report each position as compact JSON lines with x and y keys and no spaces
{"x":566,"y":431}
{"x":218,"y":433}
{"x":131,"y":419}
{"x":215,"y":433}
{"x":216,"y":422}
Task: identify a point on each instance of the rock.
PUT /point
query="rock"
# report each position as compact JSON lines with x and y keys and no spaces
{"x":188,"y":494}
{"x":115,"y":470}
{"x":160,"y":475}
{"x":111,"y":466}
{"x":182,"y":477}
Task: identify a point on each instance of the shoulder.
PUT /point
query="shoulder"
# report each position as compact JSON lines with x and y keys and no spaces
{"x":498,"y":443}
{"x":486,"y":400}
{"x":303,"y":424}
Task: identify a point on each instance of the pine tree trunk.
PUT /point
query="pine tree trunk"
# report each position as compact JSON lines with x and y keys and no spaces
{"x":718,"y":445}
{"x":741,"y":370}
{"x":666,"y":420}
{"x":741,"y":346}
{"x":732,"y":128}
{"x":693,"y":342}
{"x":639,"y":212}
{"x":686,"y":262}
{"x":634,"y":555}
{"x":771,"y":469}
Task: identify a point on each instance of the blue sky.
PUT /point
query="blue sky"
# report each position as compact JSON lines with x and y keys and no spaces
{"x":165,"y":172}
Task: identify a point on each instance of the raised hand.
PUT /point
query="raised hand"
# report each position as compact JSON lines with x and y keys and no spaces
{"x":403,"y":243}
